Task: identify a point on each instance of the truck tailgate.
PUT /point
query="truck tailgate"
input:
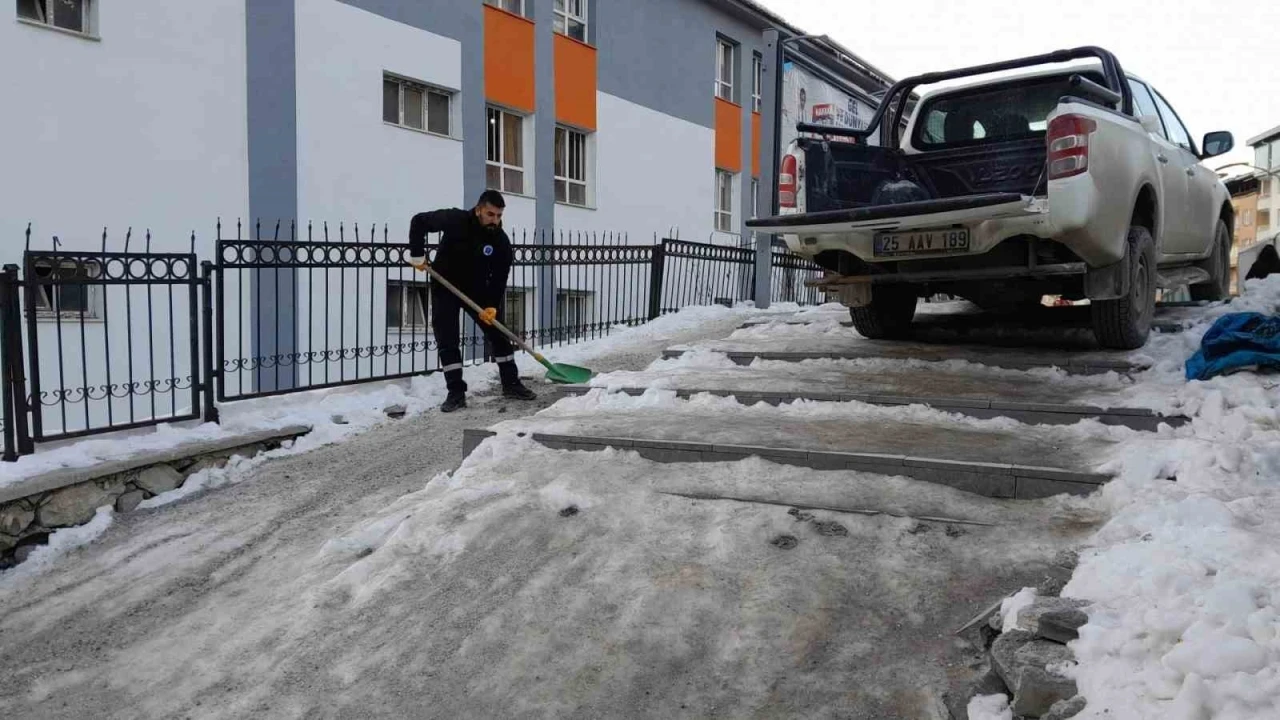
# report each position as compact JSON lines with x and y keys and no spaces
{"x":903,"y":216}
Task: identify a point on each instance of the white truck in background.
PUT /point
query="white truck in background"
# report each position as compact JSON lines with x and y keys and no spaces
{"x":1080,"y":182}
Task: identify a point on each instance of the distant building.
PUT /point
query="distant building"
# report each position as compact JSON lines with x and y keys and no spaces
{"x":1244,"y":200}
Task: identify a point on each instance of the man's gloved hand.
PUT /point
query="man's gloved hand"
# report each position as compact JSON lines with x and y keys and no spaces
{"x":488,"y":315}
{"x":419,"y":262}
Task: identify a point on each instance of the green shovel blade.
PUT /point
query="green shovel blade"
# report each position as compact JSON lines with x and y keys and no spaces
{"x":568,"y":374}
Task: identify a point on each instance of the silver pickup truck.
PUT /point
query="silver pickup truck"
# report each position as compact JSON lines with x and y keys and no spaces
{"x":1079,"y":181}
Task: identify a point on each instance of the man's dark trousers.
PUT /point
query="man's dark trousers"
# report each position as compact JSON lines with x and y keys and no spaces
{"x":444,"y":317}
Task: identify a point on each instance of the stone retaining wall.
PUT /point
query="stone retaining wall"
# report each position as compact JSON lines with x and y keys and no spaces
{"x":67,"y":498}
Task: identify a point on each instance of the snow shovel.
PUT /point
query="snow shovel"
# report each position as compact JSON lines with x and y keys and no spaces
{"x":556,"y":372}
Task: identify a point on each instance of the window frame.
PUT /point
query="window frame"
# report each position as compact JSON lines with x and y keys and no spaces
{"x":571,"y":302}
{"x":408,"y":297}
{"x":88,"y":18}
{"x":501,"y":163}
{"x":757,"y":82}
{"x":498,"y":4}
{"x":1137,"y":87}
{"x":567,"y":180}
{"x":565,"y":16}
{"x":49,"y":296}
{"x":724,"y":89}
{"x":721,"y":212}
{"x":1161,"y":104}
{"x":427,"y":89}
{"x":514,"y":307}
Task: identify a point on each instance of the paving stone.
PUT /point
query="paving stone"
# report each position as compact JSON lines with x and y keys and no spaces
{"x":988,"y":485}
{"x":1037,"y":488}
{"x":1021,"y":658}
{"x":75,"y":505}
{"x":15,"y":518}
{"x":1065,"y":709}
{"x":129,"y":501}
{"x":161,"y":478}
{"x":959,"y":465}
{"x":1052,"y":473}
{"x":1054,"y":618}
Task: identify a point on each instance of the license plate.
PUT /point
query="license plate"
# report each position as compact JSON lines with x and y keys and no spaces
{"x":921,"y":242}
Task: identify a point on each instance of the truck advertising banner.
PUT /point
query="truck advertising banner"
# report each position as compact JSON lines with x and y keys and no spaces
{"x":807,"y":98}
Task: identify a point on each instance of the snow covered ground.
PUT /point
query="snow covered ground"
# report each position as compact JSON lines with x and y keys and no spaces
{"x":363,"y":578}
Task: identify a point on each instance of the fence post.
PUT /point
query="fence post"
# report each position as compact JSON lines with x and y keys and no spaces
{"x":7,"y":291}
{"x":210,"y":410}
{"x":655,"y":279}
{"x":17,"y":435}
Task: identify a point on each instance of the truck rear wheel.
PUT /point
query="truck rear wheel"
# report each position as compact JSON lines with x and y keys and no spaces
{"x":889,"y":314}
{"x":1218,"y":265}
{"x":1124,"y":323}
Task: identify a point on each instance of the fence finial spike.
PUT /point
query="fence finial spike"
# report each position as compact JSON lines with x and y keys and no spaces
{"x":128,"y":235}
{"x":104,"y":238}
{"x":28,"y":246}
{"x":239,"y":234}
{"x":326,"y":231}
{"x":218,"y":228}
{"x":308,"y":231}
{"x":56,"y":242}
{"x":356,"y":225}
{"x":386,"y":238}
{"x":293,"y":230}
{"x":193,"y":242}
{"x":276,"y":236}
{"x":257,"y":231}
{"x":148,"y":246}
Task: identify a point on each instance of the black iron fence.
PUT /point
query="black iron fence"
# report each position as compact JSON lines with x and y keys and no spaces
{"x":93,"y":342}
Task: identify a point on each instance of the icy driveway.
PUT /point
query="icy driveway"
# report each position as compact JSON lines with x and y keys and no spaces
{"x":476,"y":597}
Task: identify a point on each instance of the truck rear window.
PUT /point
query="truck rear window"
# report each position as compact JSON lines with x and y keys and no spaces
{"x":999,"y":113}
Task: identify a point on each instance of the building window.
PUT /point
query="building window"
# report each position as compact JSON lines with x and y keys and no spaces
{"x":1248,"y":218}
{"x":405,"y":308}
{"x":71,"y":15}
{"x":1264,"y":219}
{"x":573,"y":314}
{"x":1264,"y":188}
{"x":504,"y":167}
{"x":66,"y":293}
{"x":724,"y":201}
{"x":571,"y":167}
{"x":571,"y":18}
{"x":511,"y":6}
{"x":513,"y":309}
{"x":724,"y":70}
{"x":755,"y":198}
{"x":757,"y":83}
{"x":416,"y":106}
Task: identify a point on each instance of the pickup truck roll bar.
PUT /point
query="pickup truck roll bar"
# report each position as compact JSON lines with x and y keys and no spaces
{"x":1116,"y":91}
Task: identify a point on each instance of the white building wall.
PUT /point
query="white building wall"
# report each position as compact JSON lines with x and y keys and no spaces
{"x":144,"y":127}
{"x":354,"y":168}
{"x":654,"y":175}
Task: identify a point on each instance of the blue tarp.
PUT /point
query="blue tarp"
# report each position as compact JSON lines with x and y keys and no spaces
{"x":1236,"y":341}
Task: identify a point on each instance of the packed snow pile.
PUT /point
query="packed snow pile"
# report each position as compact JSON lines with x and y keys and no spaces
{"x":1185,"y":578}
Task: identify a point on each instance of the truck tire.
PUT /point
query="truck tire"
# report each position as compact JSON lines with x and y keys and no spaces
{"x":1218,"y":265}
{"x":889,"y":314}
{"x":1125,"y":323}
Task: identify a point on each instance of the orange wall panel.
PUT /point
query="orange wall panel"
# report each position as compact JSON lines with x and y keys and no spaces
{"x":728,"y":136}
{"x":755,"y":144}
{"x":575,"y":83}
{"x":508,"y":59}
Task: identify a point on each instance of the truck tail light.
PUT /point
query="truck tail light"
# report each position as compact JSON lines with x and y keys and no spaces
{"x":787,"y":182}
{"x":1068,"y":140}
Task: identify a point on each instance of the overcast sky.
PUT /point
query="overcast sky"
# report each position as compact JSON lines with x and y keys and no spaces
{"x":1219,"y":66}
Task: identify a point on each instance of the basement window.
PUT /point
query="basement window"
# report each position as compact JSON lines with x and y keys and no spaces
{"x":73,"y":16}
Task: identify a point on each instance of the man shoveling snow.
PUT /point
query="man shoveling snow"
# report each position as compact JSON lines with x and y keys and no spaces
{"x":475,"y":255}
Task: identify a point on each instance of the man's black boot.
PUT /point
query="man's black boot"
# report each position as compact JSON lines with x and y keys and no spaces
{"x":517,"y":391}
{"x":455,"y":401}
